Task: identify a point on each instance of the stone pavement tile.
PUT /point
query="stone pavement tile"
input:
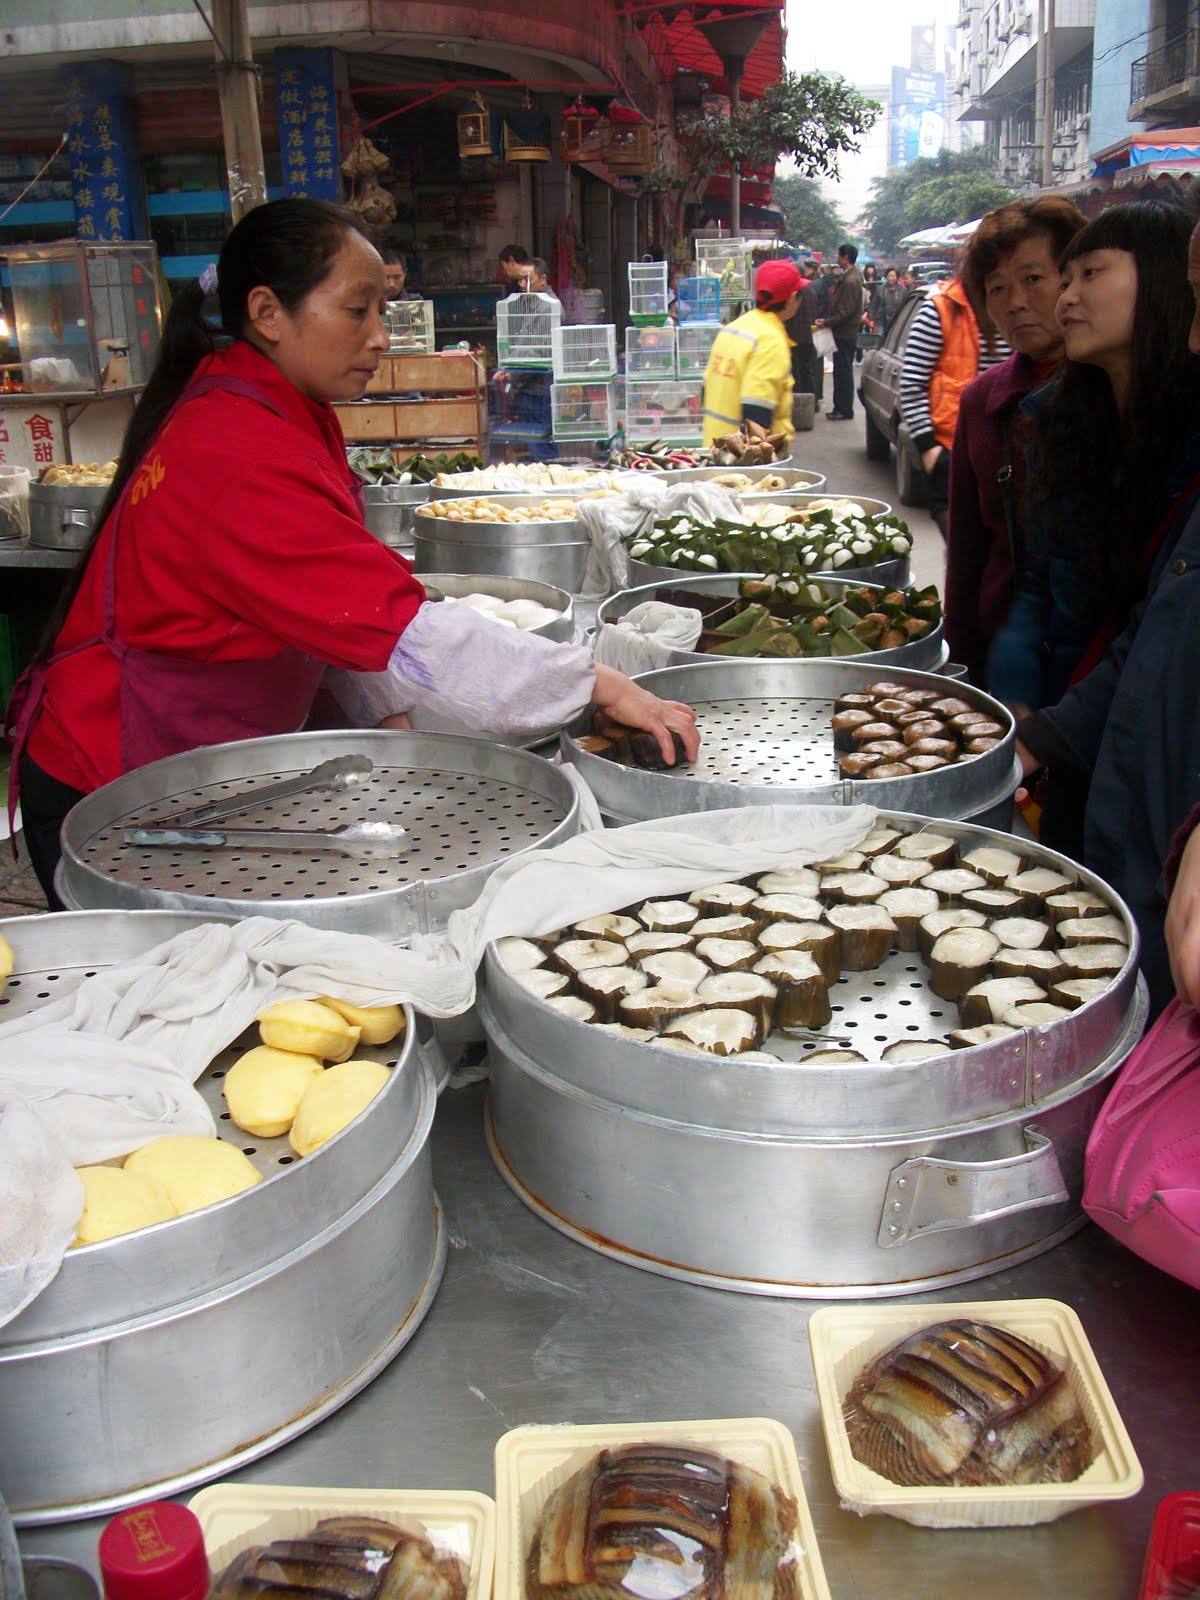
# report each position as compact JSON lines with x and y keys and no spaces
{"x":20,"y":892}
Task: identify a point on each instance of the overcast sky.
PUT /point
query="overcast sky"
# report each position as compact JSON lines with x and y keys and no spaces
{"x":862,"y":40}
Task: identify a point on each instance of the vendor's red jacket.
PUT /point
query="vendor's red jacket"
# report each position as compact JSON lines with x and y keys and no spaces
{"x":241,"y":537}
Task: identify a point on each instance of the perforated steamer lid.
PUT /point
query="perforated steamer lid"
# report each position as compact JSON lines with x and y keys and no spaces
{"x":466,"y":805}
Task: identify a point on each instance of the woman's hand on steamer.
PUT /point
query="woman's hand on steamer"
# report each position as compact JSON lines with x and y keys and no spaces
{"x":625,"y":701}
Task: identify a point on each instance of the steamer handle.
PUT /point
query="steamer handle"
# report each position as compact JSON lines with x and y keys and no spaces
{"x":928,"y":1195}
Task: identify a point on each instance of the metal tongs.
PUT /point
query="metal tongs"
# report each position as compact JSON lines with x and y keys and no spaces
{"x":195,"y":830}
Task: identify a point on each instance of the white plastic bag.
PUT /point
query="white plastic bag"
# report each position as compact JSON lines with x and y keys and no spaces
{"x":14,"y":502}
{"x":823,"y":342}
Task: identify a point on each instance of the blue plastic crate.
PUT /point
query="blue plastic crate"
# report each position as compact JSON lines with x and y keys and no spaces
{"x":698,"y":299}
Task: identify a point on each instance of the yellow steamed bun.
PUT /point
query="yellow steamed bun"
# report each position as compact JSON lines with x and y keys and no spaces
{"x":376,"y":1024}
{"x":6,"y":958}
{"x":334,"y":1100}
{"x":263,"y":1089}
{"x":307,"y":1028}
{"x":194,"y":1171}
{"x":116,"y":1201}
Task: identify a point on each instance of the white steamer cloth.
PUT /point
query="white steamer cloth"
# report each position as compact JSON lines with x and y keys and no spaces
{"x":111,"y":1066}
{"x":609,"y":523}
{"x":643,"y":639}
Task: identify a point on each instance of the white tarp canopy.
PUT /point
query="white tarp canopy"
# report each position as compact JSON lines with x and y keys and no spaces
{"x":945,"y":237}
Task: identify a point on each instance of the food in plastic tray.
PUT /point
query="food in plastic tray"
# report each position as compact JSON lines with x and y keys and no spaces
{"x":774,"y":538}
{"x":851,"y":1345}
{"x":710,"y":1508}
{"x":1172,"y":1567}
{"x":737,"y":966}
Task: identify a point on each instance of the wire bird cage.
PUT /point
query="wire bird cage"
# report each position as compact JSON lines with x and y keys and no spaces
{"x":649,"y":354}
{"x":698,"y":299}
{"x":583,"y":410}
{"x":410,"y":326}
{"x":648,"y":293}
{"x":694,"y":342}
{"x":728,"y":261}
{"x":585,"y":351}
{"x":525,"y":325}
{"x":670,"y":412}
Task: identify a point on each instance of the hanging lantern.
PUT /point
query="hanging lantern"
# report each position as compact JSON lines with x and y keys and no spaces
{"x":628,"y":141}
{"x":583,"y":138}
{"x":478,"y":129}
{"x":527,"y":133}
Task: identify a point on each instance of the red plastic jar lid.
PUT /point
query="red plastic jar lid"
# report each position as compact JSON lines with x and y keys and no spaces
{"x":154,"y":1552}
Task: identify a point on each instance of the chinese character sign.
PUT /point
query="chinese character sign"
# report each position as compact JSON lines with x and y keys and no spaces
{"x":308,"y":126}
{"x":916,"y":117}
{"x":30,"y":439}
{"x":102,"y":144}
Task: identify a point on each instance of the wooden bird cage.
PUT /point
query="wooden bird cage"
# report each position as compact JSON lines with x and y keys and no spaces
{"x":527,"y":133}
{"x":628,"y":144}
{"x":582,"y":133}
{"x":478,"y":130}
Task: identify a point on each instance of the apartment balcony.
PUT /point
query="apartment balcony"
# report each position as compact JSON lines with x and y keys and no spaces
{"x":1164,"y":86}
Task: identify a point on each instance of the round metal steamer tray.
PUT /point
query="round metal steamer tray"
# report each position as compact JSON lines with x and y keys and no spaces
{"x":826,"y":1182}
{"x":797,"y":479}
{"x":929,"y":653}
{"x":162,"y":1358}
{"x":389,"y":509}
{"x":467,"y":806}
{"x":766,"y":740}
{"x":548,"y":552}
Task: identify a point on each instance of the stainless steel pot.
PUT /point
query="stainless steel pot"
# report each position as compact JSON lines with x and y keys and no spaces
{"x":62,"y":516}
{"x":872,"y":508}
{"x":389,"y":510}
{"x":548,"y":552}
{"x":165,"y":1357}
{"x":766,"y":740}
{"x":929,"y":653}
{"x":458,"y":584}
{"x":467,"y":805}
{"x":814,"y":1181}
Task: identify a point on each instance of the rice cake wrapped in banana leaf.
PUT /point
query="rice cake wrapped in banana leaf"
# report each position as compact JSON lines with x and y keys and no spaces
{"x":915,"y":1050}
{"x":906,"y":906}
{"x":753,"y":993}
{"x":993,"y":998}
{"x":1044,"y":966}
{"x":606,"y":987}
{"x":816,"y":939}
{"x":718,"y":1031}
{"x":802,"y":994}
{"x":941,"y":921}
{"x":678,"y":966}
{"x":959,"y":960}
{"x":866,"y":935}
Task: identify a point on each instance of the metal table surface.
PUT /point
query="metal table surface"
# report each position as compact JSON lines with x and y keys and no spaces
{"x":17,"y":553}
{"x":530,"y":1327}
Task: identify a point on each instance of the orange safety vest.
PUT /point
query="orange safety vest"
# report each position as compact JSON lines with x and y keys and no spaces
{"x":959,"y":360}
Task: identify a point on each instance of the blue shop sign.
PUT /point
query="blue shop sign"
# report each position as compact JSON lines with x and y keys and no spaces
{"x":102,"y":146}
{"x":308,"y":124}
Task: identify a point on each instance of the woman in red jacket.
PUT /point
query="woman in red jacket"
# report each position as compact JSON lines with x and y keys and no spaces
{"x":231,"y":565}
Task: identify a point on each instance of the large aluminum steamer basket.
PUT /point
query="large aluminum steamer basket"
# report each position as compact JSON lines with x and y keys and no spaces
{"x":598,"y":478}
{"x":455,"y":585}
{"x":389,"y":509}
{"x":162,"y":1358}
{"x":766,"y":740}
{"x":813,"y":1180}
{"x":63,"y":515}
{"x":872,"y":508}
{"x":798,"y":480}
{"x":929,"y":653}
{"x":467,"y":806}
{"x":549,"y":552}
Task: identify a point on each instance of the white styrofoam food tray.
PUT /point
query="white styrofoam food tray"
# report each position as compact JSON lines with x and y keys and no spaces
{"x":532,"y":1462}
{"x":844,"y":1339}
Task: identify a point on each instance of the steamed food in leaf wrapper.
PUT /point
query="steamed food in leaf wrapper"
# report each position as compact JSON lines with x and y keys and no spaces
{"x":345,"y":1558}
{"x":660,"y":1522}
{"x":964,"y":1404}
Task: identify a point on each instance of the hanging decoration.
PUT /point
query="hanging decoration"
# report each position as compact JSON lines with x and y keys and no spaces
{"x":478,"y":129}
{"x":628,"y":141}
{"x":582,"y":132}
{"x":527,"y":133}
{"x":363,"y":165}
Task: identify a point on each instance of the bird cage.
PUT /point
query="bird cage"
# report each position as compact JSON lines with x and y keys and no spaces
{"x":698,"y":299}
{"x":410,"y":326}
{"x":525,"y":325}
{"x":583,"y":410}
{"x":648,"y":293}
{"x":649,"y":354}
{"x":693,"y":342}
{"x":628,"y":142}
{"x":728,"y":261}
{"x":670,"y":412}
{"x":587,"y":351}
{"x":478,"y":129}
{"x":526,"y":133}
{"x":582,"y":133}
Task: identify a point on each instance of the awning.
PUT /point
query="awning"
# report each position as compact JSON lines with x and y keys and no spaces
{"x":678,"y":45}
{"x":761,"y":217}
{"x":1148,"y":149}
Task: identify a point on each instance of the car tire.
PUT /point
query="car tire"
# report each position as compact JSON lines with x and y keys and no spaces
{"x":879,"y":446}
{"x":910,"y":480}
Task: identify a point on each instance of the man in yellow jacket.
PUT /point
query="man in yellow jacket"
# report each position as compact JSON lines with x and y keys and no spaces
{"x":749,"y":376}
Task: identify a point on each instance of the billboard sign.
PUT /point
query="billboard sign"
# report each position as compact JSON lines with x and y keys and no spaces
{"x":917,"y":117}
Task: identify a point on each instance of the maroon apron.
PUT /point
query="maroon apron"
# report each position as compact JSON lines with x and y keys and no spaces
{"x":167,"y":703}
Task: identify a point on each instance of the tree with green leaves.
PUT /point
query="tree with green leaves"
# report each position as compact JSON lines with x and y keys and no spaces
{"x":933,"y":192}
{"x":809,"y":216}
{"x":808,"y":116}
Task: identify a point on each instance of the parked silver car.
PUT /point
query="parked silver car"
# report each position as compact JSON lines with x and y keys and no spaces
{"x":879,"y":391}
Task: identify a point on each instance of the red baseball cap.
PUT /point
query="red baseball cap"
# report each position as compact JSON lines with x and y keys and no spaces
{"x":775,"y":282}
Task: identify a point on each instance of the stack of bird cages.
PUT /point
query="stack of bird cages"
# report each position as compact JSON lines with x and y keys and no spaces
{"x":525,"y":325}
{"x":649,"y":354}
{"x":583,"y":410}
{"x":410,"y":326}
{"x":693,"y":344}
{"x":586,"y":351}
{"x":648,"y":293}
{"x":670,"y":412}
{"x":728,"y":261}
{"x":698,"y":299}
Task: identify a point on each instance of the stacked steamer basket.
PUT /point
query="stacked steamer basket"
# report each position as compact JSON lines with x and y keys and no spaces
{"x":160,"y":1358}
{"x":465,"y":806}
{"x":533,"y":536}
{"x":792,"y":1087}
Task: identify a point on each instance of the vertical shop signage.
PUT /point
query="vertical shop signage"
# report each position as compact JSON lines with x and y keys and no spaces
{"x":308,"y":132}
{"x":102,"y":146}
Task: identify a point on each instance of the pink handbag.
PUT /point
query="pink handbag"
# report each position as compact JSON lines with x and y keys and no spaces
{"x":1142,"y":1169}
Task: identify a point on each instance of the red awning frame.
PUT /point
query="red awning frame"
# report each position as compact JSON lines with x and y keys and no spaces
{"x":677,"y":44}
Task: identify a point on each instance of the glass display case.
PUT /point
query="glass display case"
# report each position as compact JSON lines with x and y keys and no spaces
{"x":87,"y":316}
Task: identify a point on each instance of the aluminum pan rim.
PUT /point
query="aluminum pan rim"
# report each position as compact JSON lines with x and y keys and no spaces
{"x":894,"y":574}
{"x":457,"y":584}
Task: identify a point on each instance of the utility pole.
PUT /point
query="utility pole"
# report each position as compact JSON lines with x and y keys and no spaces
{"x":1044,"y":108}
{"x":239,"y":88}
